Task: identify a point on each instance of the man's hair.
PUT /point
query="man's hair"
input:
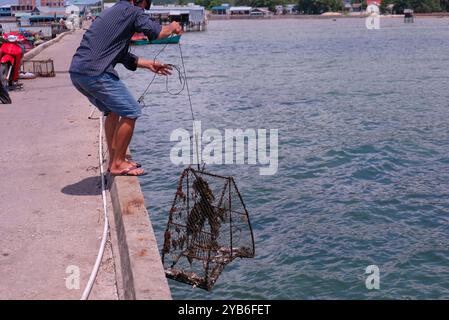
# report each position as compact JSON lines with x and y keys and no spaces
{"x":136,"y":2}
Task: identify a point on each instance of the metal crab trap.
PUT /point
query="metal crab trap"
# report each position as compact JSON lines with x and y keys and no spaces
{"x":41,"y":68}
{"x":208,"y":228}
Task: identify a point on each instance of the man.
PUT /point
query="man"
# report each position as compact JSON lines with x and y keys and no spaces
{"x":105,"y":44}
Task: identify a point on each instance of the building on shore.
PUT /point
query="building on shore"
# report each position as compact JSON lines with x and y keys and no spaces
{"x":52,"y":3}
{"x":23,"y":6}
{"x":260,"y":12}
{"x":223,"y":9}
{"x":286,"y":9}
{"x":33,"y":16}
{"x":88,"y":7}
{"x":27,"y":3}
{"x":192,"y":17}
{"x":240,"y":11}
{"x":226,"y":11}
{"x":48,"y":11}
{"x":5,"y":11}
{"x":70,"y":9}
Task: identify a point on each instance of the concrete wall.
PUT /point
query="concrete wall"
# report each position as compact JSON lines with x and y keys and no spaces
{"x":35,"y":51}
{"x":141,"y":270}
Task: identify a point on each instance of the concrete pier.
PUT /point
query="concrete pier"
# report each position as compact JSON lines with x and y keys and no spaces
{"x":51,"y":218}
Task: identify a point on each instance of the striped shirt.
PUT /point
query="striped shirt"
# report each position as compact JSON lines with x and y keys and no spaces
{"x":106,"y":43}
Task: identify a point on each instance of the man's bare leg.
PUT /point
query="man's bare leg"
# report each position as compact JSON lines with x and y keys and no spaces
{"x":110,"y":126}
{"x":120,"y":142}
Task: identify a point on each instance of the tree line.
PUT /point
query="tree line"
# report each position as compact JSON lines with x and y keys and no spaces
{"x":320,"y":6}
{"x":419,"y":6}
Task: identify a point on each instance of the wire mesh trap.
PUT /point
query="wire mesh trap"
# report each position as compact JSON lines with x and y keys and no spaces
{"x":41,"y":68}
{"x":208,"y":227}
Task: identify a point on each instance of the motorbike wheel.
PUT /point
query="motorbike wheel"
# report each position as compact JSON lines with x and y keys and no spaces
{"x":4,"y":71}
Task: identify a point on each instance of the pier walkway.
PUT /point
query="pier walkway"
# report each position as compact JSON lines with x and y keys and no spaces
{"x":50,"y":200}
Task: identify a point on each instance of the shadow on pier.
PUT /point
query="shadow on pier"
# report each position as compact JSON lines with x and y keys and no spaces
{"x":87,"y":187}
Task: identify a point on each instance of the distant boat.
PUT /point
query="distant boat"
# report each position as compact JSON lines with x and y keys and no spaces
{"x":139,"y":39}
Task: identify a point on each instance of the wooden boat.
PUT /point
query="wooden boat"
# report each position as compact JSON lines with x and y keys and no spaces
{"x":170,"y":40}
{"x":139,"y":39}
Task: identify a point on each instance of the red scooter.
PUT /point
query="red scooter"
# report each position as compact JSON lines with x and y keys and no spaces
{"x":11,"y":55}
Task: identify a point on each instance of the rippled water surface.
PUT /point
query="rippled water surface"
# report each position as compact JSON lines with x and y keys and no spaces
{"x":363,"y":152}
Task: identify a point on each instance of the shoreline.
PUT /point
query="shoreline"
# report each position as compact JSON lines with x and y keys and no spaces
{"x":211,"y":17}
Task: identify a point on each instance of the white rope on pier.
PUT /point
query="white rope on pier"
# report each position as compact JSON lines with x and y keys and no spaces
{"x":94,"y":272}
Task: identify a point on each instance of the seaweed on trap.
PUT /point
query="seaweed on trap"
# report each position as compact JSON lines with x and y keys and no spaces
{"x":208,"y":227}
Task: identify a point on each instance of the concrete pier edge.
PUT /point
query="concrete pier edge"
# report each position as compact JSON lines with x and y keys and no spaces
{"x":140,"y":265}
{"x":35,"y":51}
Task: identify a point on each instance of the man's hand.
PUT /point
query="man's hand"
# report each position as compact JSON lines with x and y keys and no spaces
{"x":172,"y":28}
{"x":155,"y":66}
{"x":176,"y":27}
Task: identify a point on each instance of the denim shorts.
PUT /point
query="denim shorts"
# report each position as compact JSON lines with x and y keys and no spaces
{"x":108,"y":93}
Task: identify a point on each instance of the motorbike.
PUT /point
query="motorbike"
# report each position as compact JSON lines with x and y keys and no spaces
{"x":11,"y":55}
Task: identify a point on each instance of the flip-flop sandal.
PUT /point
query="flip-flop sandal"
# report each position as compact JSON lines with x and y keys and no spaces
{"x":137,"y":165}
{"x":126,"y":172}
{"x":129,"y":160}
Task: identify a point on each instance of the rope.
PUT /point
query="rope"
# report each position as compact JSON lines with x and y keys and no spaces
{"x":184,"y":84}
{"x":191,"y":107}
{"x":142,"y":96}
{"x":94,"y":272}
